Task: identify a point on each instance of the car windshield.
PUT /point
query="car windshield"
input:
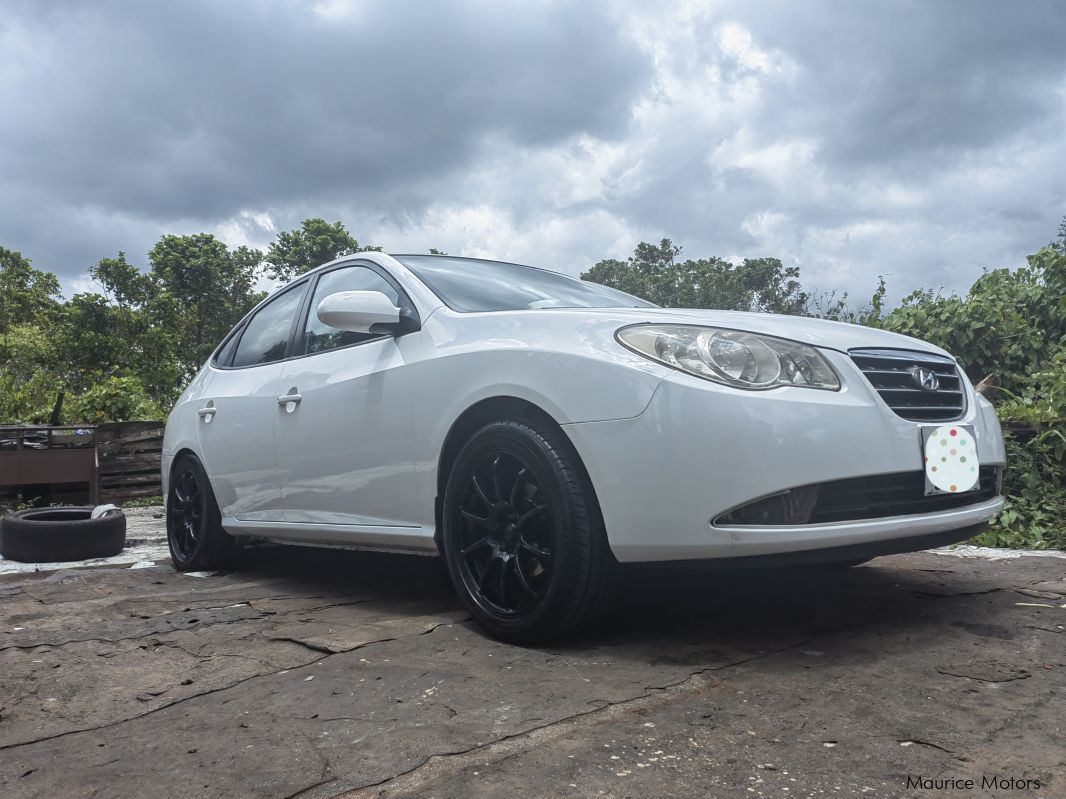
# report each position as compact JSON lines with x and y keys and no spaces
{"x":469,"y":284}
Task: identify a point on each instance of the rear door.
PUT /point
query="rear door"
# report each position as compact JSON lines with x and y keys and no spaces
{"x":239,"y":410}
{"x":345,"y":449}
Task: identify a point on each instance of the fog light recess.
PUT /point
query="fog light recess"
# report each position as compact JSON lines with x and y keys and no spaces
{"x":788,"y":507}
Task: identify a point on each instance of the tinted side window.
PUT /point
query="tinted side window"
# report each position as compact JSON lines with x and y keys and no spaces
{"x":267,"y":333}
{"x":318,"y":336}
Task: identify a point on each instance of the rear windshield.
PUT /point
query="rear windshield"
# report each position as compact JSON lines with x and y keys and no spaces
{"x":469,"y":284}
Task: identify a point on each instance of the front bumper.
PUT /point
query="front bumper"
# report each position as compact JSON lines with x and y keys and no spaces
{"x":700,"y":449}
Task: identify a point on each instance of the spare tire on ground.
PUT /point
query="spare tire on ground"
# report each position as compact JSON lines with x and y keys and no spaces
{"x":51,"y":535}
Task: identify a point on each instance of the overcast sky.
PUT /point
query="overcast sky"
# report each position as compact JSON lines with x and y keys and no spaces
{"x":923,"y":141}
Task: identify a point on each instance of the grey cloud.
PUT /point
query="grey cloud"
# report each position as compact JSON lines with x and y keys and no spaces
{"x":198,"y":109}
{"x":894,"y":84}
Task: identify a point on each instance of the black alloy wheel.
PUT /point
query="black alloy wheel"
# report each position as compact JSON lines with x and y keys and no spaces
{"x":522,"y":534}
{"x":506,"y":535}
{"x":194,"y":524}
{"x":185,"y":517}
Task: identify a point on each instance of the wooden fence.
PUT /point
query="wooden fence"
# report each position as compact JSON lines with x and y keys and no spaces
{"x":130,"y":456}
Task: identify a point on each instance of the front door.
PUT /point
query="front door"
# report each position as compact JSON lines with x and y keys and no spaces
{"x":344,"y":450}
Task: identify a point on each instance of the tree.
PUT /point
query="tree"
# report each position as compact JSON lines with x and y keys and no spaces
{"x":315,"y":242}
{"x":93,"y":340}
{"x":200,"y":289}
{"x":127,"y":284}
{"x":28,"y":385}
{"x":25,"y":293}
{"x":160,"y":325}
{"x":655,"y":273}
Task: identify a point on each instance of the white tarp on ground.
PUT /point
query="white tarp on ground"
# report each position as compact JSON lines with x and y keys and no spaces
{"x":991,"y":553}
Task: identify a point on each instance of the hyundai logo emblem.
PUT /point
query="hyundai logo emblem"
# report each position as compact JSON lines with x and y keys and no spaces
{"x":926,"y":379}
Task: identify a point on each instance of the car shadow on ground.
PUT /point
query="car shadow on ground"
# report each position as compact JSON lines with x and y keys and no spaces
{"x":692,"y":613}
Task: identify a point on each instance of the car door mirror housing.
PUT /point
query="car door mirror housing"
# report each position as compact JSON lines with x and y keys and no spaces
{"x":359,"y":312}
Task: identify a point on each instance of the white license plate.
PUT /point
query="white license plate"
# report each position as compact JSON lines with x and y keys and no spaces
{"x":949,"y":454}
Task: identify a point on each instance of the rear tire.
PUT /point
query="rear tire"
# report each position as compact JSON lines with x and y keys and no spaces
{"x":523,"y":538}
{"x":194,"y":524}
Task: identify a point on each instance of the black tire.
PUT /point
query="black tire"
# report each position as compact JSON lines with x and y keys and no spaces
{"x":526,"y":575}
{"x":54,"y":535}
{"x":194,"y":525}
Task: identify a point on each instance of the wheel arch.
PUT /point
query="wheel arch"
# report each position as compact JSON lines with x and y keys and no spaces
{"x":483,"y":412}
{"x":178,"y":456}
{"x":168,"y":474}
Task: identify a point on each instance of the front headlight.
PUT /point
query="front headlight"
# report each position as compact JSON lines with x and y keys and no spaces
{"x":732,"y":357}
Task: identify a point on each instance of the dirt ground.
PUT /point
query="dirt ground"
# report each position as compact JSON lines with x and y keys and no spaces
{"x":316,"y":674}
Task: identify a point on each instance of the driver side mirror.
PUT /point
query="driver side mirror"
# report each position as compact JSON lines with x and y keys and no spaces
{"x":358,"y":311}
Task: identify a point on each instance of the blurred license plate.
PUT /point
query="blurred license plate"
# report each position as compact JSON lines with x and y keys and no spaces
{"x":949,"y":454}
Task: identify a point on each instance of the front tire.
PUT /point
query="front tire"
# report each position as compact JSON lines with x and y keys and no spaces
{"x":194,"y":524}
{"x":523,"y":537}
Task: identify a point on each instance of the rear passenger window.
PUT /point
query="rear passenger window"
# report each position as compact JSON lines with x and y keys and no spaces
{"x":318,"y":336}
{"x":266,"y":335}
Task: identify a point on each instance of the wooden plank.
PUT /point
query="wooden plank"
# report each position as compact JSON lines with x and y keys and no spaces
{"x":121,"y":445}
{"x":111,"y":478}
{"x":117,"y":463}
{"x":129,"y":479}
{"x":129,"y":432}
{"x":114,"y":430}
{"x":132,"y":440}
{"x":117,"y":495}
{"x":137,"y":460}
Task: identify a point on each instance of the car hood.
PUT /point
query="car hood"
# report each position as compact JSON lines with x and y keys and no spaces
{"x":816,"y":332}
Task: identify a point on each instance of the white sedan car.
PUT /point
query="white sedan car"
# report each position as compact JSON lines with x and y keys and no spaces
{"x":537,"y":431}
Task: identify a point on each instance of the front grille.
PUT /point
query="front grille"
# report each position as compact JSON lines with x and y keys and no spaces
{"x":857,"y":498}
{"x":895,"y":375}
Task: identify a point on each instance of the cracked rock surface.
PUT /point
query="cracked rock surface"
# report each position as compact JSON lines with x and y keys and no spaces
{"x":321,"y":674}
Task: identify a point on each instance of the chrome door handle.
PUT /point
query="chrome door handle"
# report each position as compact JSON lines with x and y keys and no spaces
{"x":285,"y":399}
{"x":203,"y":412}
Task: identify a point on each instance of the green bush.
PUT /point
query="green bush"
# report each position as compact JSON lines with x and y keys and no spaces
{"x":114,"y":399}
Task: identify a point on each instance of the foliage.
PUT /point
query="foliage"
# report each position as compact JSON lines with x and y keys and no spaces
{"x":1035,"y":483}
{"x":115,"y":399}
{"x":28,"y":388}
{"x":655,"y":273}
{"x":1035,"y":494}
{"x":145,"y":335}
{"x":206,"y":288}
{"x":26,"y":294}
{"x":315,"y":243}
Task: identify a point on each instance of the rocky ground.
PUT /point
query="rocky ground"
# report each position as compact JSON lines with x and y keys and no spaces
{"x":322,"y":674}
